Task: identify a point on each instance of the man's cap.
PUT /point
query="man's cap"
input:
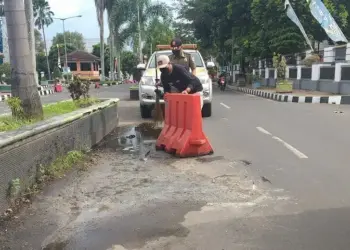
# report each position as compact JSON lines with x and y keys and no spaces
{"x":162,"y":61}
{"x":176,"y":42}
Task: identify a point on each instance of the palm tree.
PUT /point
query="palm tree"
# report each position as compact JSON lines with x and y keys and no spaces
{"x":28,"y":4}
{"x":147,"y":11}
{"x":119,"y":20}
{"x":100,"y":9}
{"x":22,"y":70}
{"x":43,"y":17}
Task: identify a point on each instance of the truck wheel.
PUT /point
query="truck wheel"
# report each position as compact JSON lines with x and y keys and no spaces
{"x":206,"y":110}
{"x":145,"y":111}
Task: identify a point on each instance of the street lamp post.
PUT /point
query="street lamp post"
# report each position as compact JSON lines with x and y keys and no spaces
{"x":64,"y":36}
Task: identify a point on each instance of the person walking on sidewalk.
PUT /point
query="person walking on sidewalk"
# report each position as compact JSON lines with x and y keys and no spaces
{"x":177,"y":79}
{"x":180,"y":57}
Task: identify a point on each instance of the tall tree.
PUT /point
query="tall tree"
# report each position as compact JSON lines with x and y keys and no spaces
{"x":100,"y":9}
{"x":74,"y":39}
{"x":22,"y":70}
{"x":30,"y":25}
{"x":39,"y":42}
{"x":43,"y":17}
{"x":148,"y":10}
{"x":96,"y":50}
{"x":158,"y":32}
{"x":55,"y":50}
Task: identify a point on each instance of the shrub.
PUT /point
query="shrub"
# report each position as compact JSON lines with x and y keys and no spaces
{"x":311,"y":59}
{"x":15,"y":105}
{"x":79,"y":88}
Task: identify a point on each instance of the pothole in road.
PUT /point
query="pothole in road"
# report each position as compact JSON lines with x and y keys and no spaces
{"x":138,"y":140}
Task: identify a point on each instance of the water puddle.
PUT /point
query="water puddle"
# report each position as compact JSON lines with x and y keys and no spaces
{"x":138,"y":140}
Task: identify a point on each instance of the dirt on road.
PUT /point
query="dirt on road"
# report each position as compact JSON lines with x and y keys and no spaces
{"x":133,"y":197}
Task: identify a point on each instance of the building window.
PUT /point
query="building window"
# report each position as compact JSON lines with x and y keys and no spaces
{"x":72,"y":66}
{"x":85,"y":66}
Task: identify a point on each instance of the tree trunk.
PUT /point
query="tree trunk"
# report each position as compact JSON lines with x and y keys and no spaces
{"x":22,"y":70}
{"x":111,"y":66}
{"x":47,"y":55}
{"x":102,"y":47}
{"x":30,"y":24}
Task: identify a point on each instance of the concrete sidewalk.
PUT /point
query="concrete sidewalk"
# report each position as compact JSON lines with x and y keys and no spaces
{"x":329,"y":99}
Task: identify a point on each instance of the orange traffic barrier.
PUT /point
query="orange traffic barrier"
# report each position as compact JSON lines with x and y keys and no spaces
{"x":182,"y":133}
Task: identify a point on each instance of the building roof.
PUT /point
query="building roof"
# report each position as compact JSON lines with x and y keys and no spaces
{"x":81,"y":56}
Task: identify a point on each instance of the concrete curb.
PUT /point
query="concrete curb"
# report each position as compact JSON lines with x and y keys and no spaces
{"x":10,"y":137}
{"x":337,"y":99}
{"x":4,"y":97}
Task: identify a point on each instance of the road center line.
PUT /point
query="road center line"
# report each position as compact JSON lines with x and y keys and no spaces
{"x":223,"y":104}
{"x":291,"y":148}
{"x":264,"y":131}
{"x":287,"y":145}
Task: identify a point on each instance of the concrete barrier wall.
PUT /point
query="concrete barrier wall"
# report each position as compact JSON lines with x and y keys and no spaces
{"x":24,"y":150}
{"x":344,"y":87}
{"x":308,"y":84}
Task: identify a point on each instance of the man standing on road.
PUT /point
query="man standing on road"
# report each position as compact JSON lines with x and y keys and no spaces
{"x":180,"y":57}
{"x":175,"y":78}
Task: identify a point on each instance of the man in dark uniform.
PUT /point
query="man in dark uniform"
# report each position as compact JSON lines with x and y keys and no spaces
{"x":180,"y":57}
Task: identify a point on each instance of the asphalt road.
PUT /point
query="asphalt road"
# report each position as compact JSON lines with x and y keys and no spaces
{"x":278,"y":181}
{"x":103,"y":92}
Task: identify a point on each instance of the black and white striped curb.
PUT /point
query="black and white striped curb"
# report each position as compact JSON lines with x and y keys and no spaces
{"x":336,"y":99}
{"x":4,"y":97}
{"x":45,"y":86}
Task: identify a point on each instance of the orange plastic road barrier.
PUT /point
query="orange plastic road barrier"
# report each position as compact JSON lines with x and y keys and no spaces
{"x":182,"y":133}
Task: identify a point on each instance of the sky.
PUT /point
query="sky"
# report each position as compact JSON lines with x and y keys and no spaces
{"x":87,"y":24}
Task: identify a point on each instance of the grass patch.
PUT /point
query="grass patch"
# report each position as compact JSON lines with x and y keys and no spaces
{"x":62,"y":164}
{"x":18,"y":193}
{"x":134,"y":87}
{"x":8,"y":123}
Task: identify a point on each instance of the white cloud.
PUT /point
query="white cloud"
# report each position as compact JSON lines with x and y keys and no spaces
{"x":64,"y":8}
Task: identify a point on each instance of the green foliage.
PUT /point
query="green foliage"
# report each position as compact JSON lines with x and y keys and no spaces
{"x":53,"y":54}
{"x":42,"y":13}
{"x":279,"y":63}
{"x":39,"y":42}
{"x":41,"y":65}
{"x":129,"y":61}
{"x":79,"y":88}
{"x":311,"y":59}
{"x":157,"y":32}
{"x":255,"y":28}
{"x":73,"y":39}
{"x":8,"y":123}
{"x":63,"y":164}
{"x":14,"y":188}
{"x":57,"y":72}
{"x":15,"y":104}
{"x":5,"y":69}
{"x":96,"y":50}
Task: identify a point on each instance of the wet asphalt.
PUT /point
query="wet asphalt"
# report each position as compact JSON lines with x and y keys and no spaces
{"x":278,"y":180}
